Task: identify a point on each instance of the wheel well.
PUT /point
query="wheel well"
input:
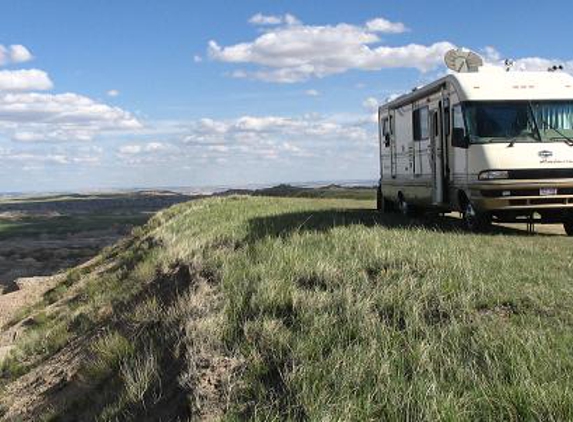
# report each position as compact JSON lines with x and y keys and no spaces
{"x":462,"y":199}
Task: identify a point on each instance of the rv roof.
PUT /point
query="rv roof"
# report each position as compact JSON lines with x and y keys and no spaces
{"x":496,"y":84}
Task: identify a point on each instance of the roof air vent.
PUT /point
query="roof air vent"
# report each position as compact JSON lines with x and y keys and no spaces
{"x":555,"y":68}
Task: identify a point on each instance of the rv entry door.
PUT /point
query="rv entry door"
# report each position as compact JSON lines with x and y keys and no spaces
{"x":437,"y":157}
{"x":393,"y":163}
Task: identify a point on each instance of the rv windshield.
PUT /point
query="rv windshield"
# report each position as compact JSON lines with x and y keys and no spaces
{"x":501,"y":122}
{"x":554,"y":119}
{"x":519,"y":121}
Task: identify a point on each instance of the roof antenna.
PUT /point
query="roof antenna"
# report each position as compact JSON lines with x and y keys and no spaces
{"x":508,"y":63}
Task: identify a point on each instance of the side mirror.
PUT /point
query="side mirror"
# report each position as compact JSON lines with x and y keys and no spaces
{"x":387,"y":140}
{"x":459,"y":138}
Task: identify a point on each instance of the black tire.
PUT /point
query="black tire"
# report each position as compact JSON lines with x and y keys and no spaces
{"x":568,"y":226}
{"x":383,"y":204}
{"x":379,"y":199}
{"x":475,"y":221}
{"x":403,"y":207}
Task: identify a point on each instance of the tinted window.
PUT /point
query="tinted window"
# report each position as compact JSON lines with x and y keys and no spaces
{"x":384,"y":126}
{"x":458,"y":117}
{"x":420,"y":123}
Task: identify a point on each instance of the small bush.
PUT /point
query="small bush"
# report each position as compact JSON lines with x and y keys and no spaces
{"x":109,"y":353}
{"x":140,"y":374}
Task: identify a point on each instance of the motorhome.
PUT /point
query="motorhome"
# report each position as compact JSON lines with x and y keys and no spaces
{"x":494,"y":144}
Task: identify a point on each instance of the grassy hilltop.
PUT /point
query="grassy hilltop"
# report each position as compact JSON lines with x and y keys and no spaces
{"x":300,"y":309}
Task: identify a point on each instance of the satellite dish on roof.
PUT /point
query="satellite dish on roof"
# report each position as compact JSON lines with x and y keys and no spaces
{"x":461,"y":60}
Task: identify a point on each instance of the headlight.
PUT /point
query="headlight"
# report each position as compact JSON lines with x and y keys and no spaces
{"x":493,"y":175}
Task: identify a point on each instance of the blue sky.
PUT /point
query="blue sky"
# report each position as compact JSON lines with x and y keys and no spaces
{"x":102,"y":94}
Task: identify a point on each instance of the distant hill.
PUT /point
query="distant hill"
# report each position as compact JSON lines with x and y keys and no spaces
{"x":328,"y":191}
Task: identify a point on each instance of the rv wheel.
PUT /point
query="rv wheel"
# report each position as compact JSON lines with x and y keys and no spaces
{"x":383,"y":204}
{"x":403,"y":206}
{"x":475,"y":221}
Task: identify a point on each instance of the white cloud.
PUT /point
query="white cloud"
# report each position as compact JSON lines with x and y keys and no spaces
{"x":294,"y":53}
{"x":197,"y":58}
{"x":20,"y":54}
{"x":277,"y":137}
{"x":38,"y":159}
{"x":312,"y":93}
{"x":130,"y":149}
{"x":149,"y":147}
{"x":371,"y":104}
{"x":493,"y":57}
{"x":16,"y":53}
{"x":112,"y":93}
{"x":260,"y":19}
{"x":33,"y":117}
{"x":384,"y":25}
{"x":24,"y":80}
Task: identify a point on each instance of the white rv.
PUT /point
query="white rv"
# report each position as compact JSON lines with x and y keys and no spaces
{"x":495,"y":145}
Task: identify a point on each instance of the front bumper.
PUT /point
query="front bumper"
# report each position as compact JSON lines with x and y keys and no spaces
{"x":526,"y":195}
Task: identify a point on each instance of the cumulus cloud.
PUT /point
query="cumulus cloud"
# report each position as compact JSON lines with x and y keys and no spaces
{"x":150,"y":153}
{"x":290,"y":53}
{"x":33,"y":117}
{"x":112,"y":93}
{"x":37,"y":159}
{"x":20,"y":54}
{"x":493,"y":57}
{"x":384,"y":25}
{"x":15,"y":53}
{"x":149,"y":147}
{"x":276,"y":137}
{"x":24,"y":80}
{"x":255,"y":140}
{"x":243,"y":144}
{"x":260,"y":19}
{"x":371,"y":104}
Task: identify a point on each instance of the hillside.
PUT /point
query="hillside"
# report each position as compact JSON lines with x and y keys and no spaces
{"x":304,"y":309}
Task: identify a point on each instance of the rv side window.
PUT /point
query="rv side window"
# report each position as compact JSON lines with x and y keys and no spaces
{"x":420,"y":124}
{"x":458,"y":117}
{"x":385,"y":126}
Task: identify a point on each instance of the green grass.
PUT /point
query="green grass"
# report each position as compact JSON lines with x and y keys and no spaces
{"x":338,"y":313}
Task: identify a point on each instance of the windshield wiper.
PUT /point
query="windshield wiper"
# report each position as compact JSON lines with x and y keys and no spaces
{"x":515,"y":138}
{"x":563,"y":138}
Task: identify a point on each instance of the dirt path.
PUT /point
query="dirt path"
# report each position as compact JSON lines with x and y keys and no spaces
{"x":31,"y":291}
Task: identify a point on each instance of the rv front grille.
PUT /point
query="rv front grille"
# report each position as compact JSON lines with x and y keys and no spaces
{"x":540,"y":201}
{"x":517,"y":202}
{"x":545,"y":201}
{"x":540,"y":174}
{"x":520,"y":192}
